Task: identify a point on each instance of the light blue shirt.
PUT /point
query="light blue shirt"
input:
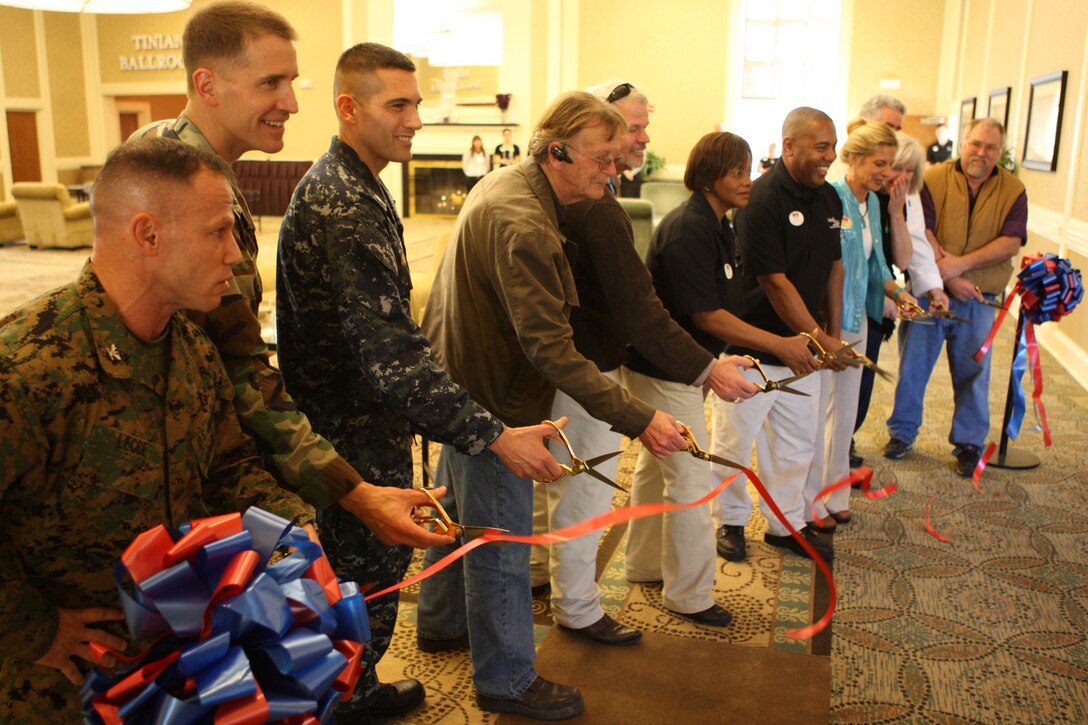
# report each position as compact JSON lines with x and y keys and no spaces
{"x":863,"y":279}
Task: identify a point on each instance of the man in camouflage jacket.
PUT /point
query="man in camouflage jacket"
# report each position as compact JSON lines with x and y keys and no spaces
{"x":358,"y":364}
{"x":116,"y":415}
{"x":240,"y":61}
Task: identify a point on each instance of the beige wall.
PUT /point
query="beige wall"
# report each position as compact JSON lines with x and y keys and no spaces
{"x":679,"y":64}
{"x":884,"y":35}
{"x":1007,"y":43}
{"x":67,"y":90}
{"x":19,"y":51}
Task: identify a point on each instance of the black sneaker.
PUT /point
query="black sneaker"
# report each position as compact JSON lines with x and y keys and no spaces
{"x":731,"y":545}
{"x":895,"y":449}
{"x":966,"y":459}
{"x":822,"y":547}
{"x":855,"y":459}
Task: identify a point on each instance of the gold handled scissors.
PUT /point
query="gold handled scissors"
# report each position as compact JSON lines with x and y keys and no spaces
{"x":933,"y":312}
{"x":695,"y":450}
{"x":847,"y":355}
{"x":577,"y":465}
{"x":988,"y":303}
{"x":444,"y":524}
{"x":769,"y":386}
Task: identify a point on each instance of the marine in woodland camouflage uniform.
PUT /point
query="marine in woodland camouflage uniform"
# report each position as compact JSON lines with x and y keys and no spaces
{"x":358,"y":364}
{"x":102,"y":436}
{"x":303,"y":461}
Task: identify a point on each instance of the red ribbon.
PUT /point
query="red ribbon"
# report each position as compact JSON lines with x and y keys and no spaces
{"x":988,"y":343}
{"x":1037,"y":379}
{"x":862,"y":475}
{"x":641,"y":511}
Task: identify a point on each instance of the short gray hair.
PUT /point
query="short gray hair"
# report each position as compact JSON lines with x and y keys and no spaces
{"x":985,"y":123}
{"x":870,"y":110}
{"x":604,"y":90}
{"x":910,"y":156}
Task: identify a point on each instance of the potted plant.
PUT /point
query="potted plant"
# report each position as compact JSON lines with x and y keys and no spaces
{"x":653,"y":163}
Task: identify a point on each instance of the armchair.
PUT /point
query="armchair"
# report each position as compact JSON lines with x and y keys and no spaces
{"x":50,"y":218}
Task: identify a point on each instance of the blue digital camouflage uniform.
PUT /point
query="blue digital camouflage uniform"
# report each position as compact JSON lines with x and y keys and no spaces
{"x":358,"y":364}
{"x":96,"y":446}
{"x":302,"y":460}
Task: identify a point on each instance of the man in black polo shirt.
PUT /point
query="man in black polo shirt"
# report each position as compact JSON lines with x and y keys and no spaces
{"x":792,"y":271}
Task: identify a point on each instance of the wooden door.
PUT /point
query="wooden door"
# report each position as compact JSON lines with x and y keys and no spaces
{"x":130,"y":123}
{"x":23,"y":146}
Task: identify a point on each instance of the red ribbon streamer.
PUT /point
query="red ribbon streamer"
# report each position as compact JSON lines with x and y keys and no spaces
{"x":989,"y":341}
{"x":929,"y":525}
{"x":1037,"y":379}
{"x":862,"y":475}
{"x":630,"y":513}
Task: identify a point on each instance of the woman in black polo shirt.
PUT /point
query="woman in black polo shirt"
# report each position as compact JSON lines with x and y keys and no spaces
{"x":693,"y":262}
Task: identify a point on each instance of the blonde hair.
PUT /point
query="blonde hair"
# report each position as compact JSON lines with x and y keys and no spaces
{"x":567,"y":115}
{"x":864,"y":139}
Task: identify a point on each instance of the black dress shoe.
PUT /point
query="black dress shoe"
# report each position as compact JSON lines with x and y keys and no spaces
{"x":842,"y":517}
{"x":713,"y":616}
{"x":397,"y":698}
{"x":823,"y":548}
{"x":541,"y":590}
{"x":855,"y":459}
{"x":895,"y":449}
{"x":607,"y":631}
{"x":731,"y":545}
{"x":966,"y":459}
{"x":450,"y":644}
{"x":544,"y":700}
{"x":827,"y":527}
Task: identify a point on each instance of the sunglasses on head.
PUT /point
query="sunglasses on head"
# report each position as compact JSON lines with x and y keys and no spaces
{"x":620,"y":92}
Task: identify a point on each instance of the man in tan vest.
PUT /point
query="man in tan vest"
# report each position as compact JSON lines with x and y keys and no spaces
{"x":976,"y":219}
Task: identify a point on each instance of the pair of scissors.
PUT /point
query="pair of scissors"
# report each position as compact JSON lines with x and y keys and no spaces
{"x":577,"y":465}
{"x":926,"y":316}
{"x":770,"y":386}
{"x":988,"y":303}
{"x":703,"y":455}
{"x":444,"y":524}
{"x":847,"y":355}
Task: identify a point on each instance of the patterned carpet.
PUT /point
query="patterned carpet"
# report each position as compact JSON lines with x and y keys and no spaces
{"x":988,"y":628}
{"x":991,"y":626}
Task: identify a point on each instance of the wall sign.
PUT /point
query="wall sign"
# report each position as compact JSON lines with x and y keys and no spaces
{"x":150,"y":53}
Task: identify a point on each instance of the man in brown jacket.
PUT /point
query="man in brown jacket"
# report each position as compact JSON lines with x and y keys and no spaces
{"x":498,"y":321}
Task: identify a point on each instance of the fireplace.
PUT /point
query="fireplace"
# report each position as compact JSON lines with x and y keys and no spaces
{"x":434,"y":185}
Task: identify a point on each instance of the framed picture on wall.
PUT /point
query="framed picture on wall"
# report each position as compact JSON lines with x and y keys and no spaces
{"x":967,"y":113}
{"x":999,"y":106}
{"x":1045,"y":105}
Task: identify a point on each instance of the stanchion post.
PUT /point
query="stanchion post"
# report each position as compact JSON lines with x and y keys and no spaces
{"x":1013,"y":458}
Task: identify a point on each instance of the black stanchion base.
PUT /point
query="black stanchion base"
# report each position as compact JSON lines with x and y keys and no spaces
{"x":1015,"y":459}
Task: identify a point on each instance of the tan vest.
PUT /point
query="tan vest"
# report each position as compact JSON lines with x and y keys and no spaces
{"x":948,"y":188}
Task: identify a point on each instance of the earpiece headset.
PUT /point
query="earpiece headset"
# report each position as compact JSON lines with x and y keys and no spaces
{"x":560,"y":154}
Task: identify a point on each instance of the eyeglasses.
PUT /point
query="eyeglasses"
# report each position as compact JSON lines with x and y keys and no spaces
{"x":620,"y":92}
{"x":604,"y":162}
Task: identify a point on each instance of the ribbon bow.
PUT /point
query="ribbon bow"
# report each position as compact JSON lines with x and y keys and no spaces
{"x":237,"y":640}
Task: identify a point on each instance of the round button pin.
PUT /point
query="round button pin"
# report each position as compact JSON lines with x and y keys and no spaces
{"x":797,"y":218}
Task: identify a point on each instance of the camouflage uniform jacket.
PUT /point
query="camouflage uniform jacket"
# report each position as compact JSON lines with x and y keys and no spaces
{"x":305,"y":462}
{"x":359,"y":365}
{"x":97,"y":446}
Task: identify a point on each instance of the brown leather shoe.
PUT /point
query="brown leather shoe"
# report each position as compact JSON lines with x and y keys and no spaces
{"x":607,"y":631}
{"x":544,"y":700}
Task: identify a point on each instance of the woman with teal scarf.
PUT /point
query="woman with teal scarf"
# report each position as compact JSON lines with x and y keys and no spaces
{"x":868,"y":153}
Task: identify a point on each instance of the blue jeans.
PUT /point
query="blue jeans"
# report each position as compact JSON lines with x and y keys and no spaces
{"x":487,"y":593}
{"x":920,"y":346}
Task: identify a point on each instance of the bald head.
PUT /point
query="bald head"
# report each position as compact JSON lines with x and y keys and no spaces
{"x":801,"y":121}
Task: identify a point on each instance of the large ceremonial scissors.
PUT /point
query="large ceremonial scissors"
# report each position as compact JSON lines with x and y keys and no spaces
{"x":577,"y":465}
{"x":445,"y":525}
{"x":934,"y":312}
{"x":846,"y":355}
{"x":703,"y":455}
{"x":770,"y":386}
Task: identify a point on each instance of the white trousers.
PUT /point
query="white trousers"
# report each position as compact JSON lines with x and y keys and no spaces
{"x":781,"y":426}
{"x":835,"y":428}
{"x":572,"y":565}
{"x":676,"y":548}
